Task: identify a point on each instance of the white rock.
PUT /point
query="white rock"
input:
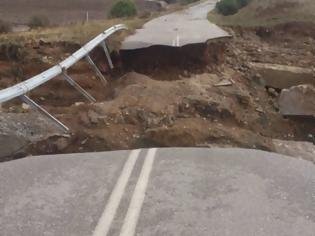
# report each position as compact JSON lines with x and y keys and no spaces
{"x":26,"y":107}
{"x":298,"y":101}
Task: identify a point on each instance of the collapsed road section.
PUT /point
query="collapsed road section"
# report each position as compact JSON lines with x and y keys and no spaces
{"x":178,"y":29}
{"x":183,"y":39}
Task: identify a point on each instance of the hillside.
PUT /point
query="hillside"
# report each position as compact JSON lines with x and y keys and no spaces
{"x":269,"y":12}
{"x":58,"y":11}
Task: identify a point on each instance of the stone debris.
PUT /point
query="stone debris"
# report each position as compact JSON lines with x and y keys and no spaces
{"x":298,"y":101}
{"x":273,"y":92}
{"x":26,"y":107}
{"x":223,"y":83}
{"x":281,"y":76}
{"x":61,"y":143}
{"x":303,"y":150}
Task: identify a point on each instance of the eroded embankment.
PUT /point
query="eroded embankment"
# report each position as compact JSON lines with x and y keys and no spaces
{"x":198,"y":95}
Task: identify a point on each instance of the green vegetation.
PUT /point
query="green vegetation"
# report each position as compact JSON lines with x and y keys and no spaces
{"x":38,"y":21}
{"x":4,"y":27}
{"x":243,"y":3}
{"x":230,"y":7}
{"x":123,"y":8}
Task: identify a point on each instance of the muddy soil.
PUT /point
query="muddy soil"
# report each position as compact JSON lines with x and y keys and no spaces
{"x":200,"y":95}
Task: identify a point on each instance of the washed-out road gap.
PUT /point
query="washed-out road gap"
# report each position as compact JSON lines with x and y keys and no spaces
{"x":189,"y":26}
{"x":173,"y":191}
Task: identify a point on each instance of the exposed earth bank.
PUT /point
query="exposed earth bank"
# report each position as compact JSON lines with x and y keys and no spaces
{"x":217,"y":100}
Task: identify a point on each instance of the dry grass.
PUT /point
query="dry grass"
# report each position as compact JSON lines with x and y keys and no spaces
{"x":81,"y":33}
{"x":78,"y":33}
{"x":268,"y":13}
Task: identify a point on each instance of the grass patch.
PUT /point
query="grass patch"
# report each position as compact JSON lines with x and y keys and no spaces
{"x":77,"y":33}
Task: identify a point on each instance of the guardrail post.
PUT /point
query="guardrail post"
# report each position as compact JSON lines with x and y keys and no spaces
{"x":105,"y":48}
{"x":97,"y":71}
{"x":33,"y":104}
{"x":78,"y":87}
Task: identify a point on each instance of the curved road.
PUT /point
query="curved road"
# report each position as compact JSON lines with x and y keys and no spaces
{"x":158,"y":192}
{"x":177,"y":29}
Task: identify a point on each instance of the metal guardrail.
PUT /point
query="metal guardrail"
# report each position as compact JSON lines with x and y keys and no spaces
{"x":21,"y":89}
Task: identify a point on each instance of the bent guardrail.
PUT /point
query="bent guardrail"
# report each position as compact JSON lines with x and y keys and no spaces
{"x":20,"y":89}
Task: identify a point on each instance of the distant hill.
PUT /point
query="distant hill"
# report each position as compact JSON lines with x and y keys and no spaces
{"x":58,"y":11}
{"x":270,"y":12}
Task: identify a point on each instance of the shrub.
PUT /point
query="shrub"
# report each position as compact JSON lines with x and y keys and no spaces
{"x":123,"y":8}
{"x":230,"y":7}
{"x":12,"y":51}
{"x":38,"y":21}
{"x":17,"y":72}
{"x":4,"y":27}
{"x":243,"y":3}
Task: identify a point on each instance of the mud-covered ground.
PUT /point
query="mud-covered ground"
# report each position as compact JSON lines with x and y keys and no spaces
{"x":201,"y":95}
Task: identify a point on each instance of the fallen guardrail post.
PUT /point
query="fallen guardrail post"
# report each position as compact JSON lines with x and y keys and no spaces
{"x":33,"y":104}
{"x":78,"y":87}
{"x":96,"y":70}
{"x":21,"y":89}
{"x":105,"y":48}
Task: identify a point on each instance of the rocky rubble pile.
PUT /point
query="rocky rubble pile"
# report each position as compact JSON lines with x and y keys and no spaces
{"x":200,"y":111}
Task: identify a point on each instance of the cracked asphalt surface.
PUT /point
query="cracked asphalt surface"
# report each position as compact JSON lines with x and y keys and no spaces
{"x":184,"y":192}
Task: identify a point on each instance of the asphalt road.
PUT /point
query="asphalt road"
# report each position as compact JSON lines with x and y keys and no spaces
{"x":158,"y":192}
{"x":177,"y":29}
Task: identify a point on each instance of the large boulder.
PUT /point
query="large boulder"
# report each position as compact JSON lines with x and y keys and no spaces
{"x":20,"y":130}
{"x":298,"y":101}
{"x":281,"y":76}
{"x":12,"y":146}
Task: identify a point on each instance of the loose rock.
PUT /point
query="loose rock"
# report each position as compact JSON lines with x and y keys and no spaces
{"x":298,"y":101}
{"x":281,"y":76}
